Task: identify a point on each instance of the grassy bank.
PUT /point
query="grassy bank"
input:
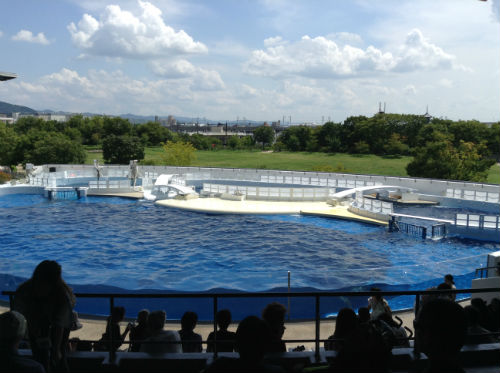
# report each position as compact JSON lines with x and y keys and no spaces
{"x":358,"y":164}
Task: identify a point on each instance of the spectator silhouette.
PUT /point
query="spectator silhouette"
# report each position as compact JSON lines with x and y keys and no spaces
{"x":363,"y":350}
{"x":113,"y":332}
{"x":448,"y":279}
{"x":191,"y":341}
{"x":225,"y":338}
{"x":378,"y":305}
{"x":274,"y":315}
{"x":475,"y":332}
{"x":363,"y":314}
{"x":485,"y":316}
{"x":441,"y":327}
{"x":494,"y":309}
{"x":393,"y":331}
{"x":140,"y":331}
{"x":46,"y":302}
{"x":252,"y":336}
{"x":446,"y":286}
{"x":345,"y":324}
{"x":160,"y":341}
{"x":12,"y":330}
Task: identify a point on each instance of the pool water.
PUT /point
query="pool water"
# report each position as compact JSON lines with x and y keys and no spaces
{"x":136,"y":245}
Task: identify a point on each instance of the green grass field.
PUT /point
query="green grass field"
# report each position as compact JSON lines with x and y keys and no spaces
{"x":357,"y":164}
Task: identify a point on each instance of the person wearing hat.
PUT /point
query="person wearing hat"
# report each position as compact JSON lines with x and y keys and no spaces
{"x":12,"y":330}
{"x":448,"y":279}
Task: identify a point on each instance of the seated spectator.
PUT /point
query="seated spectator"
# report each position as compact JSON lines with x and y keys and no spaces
{"x":396,"y":332}
{"x":445,"y":286}
{"x":12,"y":330}
{"x":225,"y":338}
{"x":161,"y":341}
{"x":378,"y":305}
{"x":252,"y":336}
{"x":494,"y":308}
{"x":448,"y":279}
{"x":140,"y":331}
{"x":274,"y":315}
{"x":363,"y":350}
{"x":486,"y":318}
{"x":440,"y":333}
{"x":345,"y":324}
{"x":113,"y":332}
{"x":191,"y":341}
{"x":46,"y":301}
{"x":476,"y":333}
{"x":363,"y":314}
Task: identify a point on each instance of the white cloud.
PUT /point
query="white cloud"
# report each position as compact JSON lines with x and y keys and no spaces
{"x":120,"y":33}
{"x":345,"y":37}
{"x":273,"y":41}
{"x":202,"y":79}
{"x":28,"y":36}
{"x":321,"y":57}
{"x":1,"y":34}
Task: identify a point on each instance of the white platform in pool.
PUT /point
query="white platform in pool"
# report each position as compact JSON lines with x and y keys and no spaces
{"x":220,"y":206}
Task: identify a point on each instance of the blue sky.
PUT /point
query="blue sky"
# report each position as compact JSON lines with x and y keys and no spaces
{"x":259,"y":59}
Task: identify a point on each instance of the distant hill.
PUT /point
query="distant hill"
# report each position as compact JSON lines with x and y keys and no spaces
{"x":6,"y":108}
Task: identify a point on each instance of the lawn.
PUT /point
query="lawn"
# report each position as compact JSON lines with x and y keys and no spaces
{"x":357,"y":164}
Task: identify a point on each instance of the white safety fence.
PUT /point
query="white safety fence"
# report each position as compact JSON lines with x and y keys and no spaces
{"x":304,"y":180}
{"x":269,"y":193}
{"x":477,"y":221}
{"x":109,"y":184}
{"x":374,"y":205}
{"x":473,"y":195}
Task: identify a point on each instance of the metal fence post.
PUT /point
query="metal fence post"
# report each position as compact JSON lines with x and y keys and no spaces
{"x":215,"y":327}
{"x":112,"y":352}
{"x":317,"y":336}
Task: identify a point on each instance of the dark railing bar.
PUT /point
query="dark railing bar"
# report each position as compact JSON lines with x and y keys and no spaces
{"x":278,"y":294}
{"x":317,"y":331}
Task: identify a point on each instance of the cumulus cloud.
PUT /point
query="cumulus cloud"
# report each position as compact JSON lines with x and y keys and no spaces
{"x":322,"y":57}
{"x":121,"y":33}
{"x":28,"y":36}
{"x":203,"y":79}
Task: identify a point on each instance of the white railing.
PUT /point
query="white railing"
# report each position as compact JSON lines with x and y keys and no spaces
{"x":317,"y":181}
{"x":109,"y":184}
{"x":473,"y":195}
{"x":477,"y":221}
{"x":271,"y":193}
{"x":374,"y":205}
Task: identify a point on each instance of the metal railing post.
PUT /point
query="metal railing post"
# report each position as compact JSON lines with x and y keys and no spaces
{"x":289,"y":289}
{"x":317,"y":336}
{"x":112,"y":352}
{"x":215,"y":327}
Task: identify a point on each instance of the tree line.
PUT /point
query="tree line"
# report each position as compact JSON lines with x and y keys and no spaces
{"x":441,"y":148}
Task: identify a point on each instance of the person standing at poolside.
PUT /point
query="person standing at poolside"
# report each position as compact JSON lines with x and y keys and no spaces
{"x":47,"y":302}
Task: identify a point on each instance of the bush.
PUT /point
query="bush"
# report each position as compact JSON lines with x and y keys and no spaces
{"x":4,"y":177}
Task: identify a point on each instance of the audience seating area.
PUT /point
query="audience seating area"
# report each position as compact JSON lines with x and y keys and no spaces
{"x":403,"y":360}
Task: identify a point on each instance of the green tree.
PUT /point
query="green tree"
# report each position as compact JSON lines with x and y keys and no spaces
{"x":395,"y":146}
{"x":234,"y":142}
{"x":361,"y":147}
{"x":264,"y":135}
{"x":153,"y":133}
{"x":179,"y":153}
{"x":122,"y":149}
{"x":8,"y":143}
{"x":56,"y":148}
{"x":441,"y":160}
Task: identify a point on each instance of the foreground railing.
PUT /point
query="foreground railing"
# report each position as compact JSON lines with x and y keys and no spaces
{"x":316,"y":295}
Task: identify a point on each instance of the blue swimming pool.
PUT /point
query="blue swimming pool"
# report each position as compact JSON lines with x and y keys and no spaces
{"x":104,"y":242}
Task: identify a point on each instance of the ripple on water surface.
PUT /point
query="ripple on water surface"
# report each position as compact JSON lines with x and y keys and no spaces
{"x":136,"y":245}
